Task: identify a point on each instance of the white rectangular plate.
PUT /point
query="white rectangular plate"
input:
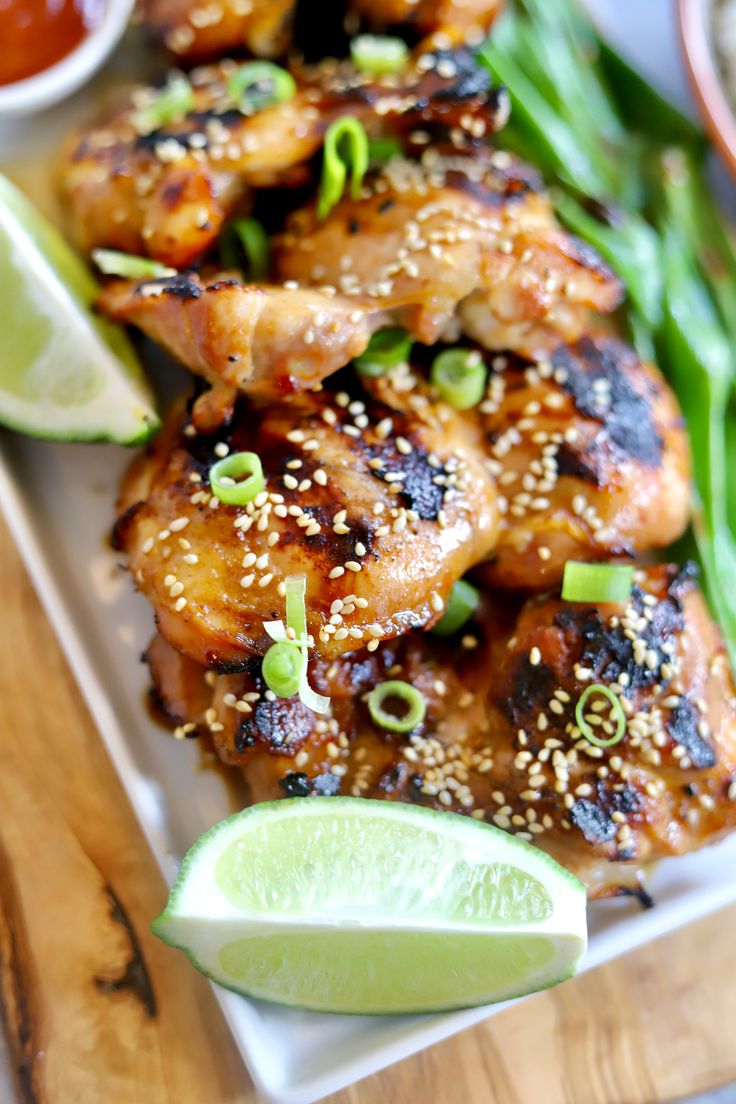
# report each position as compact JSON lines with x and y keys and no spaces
{"x":58,"y":500}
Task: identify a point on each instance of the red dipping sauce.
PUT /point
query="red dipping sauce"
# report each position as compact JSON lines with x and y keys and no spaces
{"x":35,"y":34}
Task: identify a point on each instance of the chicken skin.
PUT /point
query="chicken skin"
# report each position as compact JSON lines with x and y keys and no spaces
{"x":384,"y":496}
{"x":262,"y":340}
{"x":456,"y":20}
{"x":455,"y":239}
{"x":501,"y":739}
{"x":592,"y":459}
{"x":410,"y":254}
{"x":167,"y":193}
{"x":196,"y":32}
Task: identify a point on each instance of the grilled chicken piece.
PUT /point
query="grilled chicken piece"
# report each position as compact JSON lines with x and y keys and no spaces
{"x":456,"y":20}
{"x":383,"y":499}
{"x":167,"y":194}
{"x":507,"y":748}
{"x":265,"y":341}
{"x":591,"y":456}
{"x":195,"y":32}
{"x":455,"y":238}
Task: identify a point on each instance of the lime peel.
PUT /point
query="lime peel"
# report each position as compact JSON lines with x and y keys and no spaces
{"x":65,"y":374}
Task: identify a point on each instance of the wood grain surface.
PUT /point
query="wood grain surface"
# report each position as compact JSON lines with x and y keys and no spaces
{"x":97,"y":1010}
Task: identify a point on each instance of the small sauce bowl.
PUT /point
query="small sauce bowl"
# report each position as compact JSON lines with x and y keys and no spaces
{"x":696,"y":34}
{"x":49,"y":87}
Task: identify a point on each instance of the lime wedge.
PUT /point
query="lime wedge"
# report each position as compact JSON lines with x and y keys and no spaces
{"x":64,"y":373}
{"x":349,"y":905}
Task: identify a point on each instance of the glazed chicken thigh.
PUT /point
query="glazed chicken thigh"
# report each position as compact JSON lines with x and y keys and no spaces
{"x":500,"y":739}
{"x":455,"y":239}
{"x":167,"y":191}
{"x":384,"y":496}
{"x":591,"y":456}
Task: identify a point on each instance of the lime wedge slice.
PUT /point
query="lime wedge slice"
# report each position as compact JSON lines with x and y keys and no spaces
{"x":64,"y":373}
{"x":349,"y":905}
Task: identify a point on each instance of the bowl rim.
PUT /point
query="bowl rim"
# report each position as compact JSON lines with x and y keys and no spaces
{"x":694,"y":20}
{"x":44,"y":89}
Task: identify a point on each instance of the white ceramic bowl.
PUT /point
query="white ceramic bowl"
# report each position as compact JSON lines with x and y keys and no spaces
{"x":59,"y":81}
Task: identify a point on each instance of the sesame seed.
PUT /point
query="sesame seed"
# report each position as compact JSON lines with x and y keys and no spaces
{"x":535,"y":657}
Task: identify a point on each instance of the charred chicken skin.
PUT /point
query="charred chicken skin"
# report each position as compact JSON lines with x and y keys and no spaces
{"x":471,"y":241}
{"x":385,"y":490}
{"x":591,"y":457}
{"x":500,"y":739}
{"x":437,"y":243}
{"x":167,"y":193}
{"x":384,"y":496}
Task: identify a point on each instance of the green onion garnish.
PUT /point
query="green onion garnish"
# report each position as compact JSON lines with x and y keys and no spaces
{"x":246,"y":236}
{"x":296,"y":606}
{"x":285,"y":663}
{"x":378,"y":53}
{"x":282,"y":669}
{"x":259,"y":84}
{"x":386,"y":349}
{"x":381,"y":150}
{"x":113,"y":263}
{"x":407,"y":697}
{"x":616,"y":710}
{"x":584,"y":582}
{"x":237,"y":479}
{"x":461,"y":605}
{"x":460,"y":377}
{"x":174,"y":101}
{"x":346,"y":147}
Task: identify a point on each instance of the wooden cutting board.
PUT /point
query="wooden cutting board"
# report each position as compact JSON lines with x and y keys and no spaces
{"x":97,"y":1010}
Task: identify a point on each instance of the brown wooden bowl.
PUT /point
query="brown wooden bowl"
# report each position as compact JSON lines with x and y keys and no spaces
{"x":705,"y":76}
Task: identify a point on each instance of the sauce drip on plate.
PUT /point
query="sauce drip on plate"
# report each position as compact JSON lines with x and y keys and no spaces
{"x":35,"y":34}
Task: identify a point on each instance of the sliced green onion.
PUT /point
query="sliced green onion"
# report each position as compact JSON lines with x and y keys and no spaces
{"x":405,"y":695}
{"x":283,"y":667}
{"x":461,"y":605}
{"x":173,"y":102}
{"x":386,"y":349}
{"x":113,"y":263}
{"x":228,"y":484}
{"x":346,"y":147}
{"x":378,"y":53}
{"x":246,"y":236}
{"x":285,"y":672}
{"x":381,"y":150}
{"x":460,"y":377}
{"x":585,"y":582}
{"x":616,"y":709}
{"x":318,"y":703}
{"x":259,"y":84}
{"x":296,"y":606}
